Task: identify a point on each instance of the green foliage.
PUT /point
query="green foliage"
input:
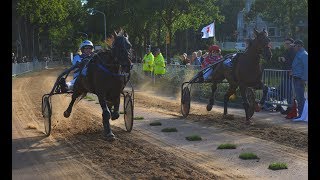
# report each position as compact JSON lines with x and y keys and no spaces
{"x":225,"y":52}
{"x":229,"y":9}
{"x":247,"y":156}
{"x":284,"y":14}
{"x":169,"y":130}
{"x":227,"y":146}
{"x":277,"y":166}
{"x":43,"y":12}
{"x":89,"y":98}
{"x":194,"y":138}
{"x":138,"y":118}
{"x":155,"y":124}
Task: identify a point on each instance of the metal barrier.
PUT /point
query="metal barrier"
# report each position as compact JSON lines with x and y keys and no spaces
{"x":279,"y":83}
{"x":21,"y":68}
{"x":280,"y":89}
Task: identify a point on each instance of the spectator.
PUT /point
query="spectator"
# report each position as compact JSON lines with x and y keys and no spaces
{"x":184,"y":59}
{"x":193,"y":58}
{"x":285,"y":87}
{"x":159,"y":64}
{"x":14,"y":58}
{"x":200,"y":57}
{"x":299,"y":75}
{"x":148,"y":61}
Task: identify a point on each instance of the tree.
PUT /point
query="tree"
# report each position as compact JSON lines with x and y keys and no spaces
{"x":230,"y":9}
{"x":284,"y":13}
{"x":55,"y":18}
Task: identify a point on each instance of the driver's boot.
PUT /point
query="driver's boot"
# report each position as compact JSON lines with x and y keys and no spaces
{"x":69,"y":86}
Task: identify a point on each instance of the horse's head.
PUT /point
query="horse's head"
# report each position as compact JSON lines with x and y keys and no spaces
{"x":121,"y":50}
{"x":262,"y":43}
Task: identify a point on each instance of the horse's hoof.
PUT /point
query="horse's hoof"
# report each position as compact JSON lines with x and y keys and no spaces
{"x":209,"y":107}
{"x":249,"y":122}
{"x":66,"y":114}
{"x":115,"y":116}
{"x":110,"y":137}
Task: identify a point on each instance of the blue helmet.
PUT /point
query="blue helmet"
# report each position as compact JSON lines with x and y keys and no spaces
{"x":86,"y":43}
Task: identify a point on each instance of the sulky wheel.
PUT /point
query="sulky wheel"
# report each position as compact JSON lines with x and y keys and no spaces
{"x":185,"y":102}
{"x":128,"y":112}
{"x":46,"y":113}
{"x":252,"y":101}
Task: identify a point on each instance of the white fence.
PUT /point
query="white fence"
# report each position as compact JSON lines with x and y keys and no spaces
{"x":21,"y":68}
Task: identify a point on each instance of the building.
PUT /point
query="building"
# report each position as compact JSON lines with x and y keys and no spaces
{"x":245,"y":29}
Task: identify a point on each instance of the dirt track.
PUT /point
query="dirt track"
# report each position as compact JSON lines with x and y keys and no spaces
{"x":77,"y":150}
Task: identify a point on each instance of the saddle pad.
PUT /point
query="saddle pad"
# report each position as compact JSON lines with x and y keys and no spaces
{"x":227,"y":63}
{"x":84,"y":71}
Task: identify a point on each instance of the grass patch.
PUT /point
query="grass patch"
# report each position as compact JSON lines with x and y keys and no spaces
{"x":169,"y":130}
{"x":278,"y":166}
{"x":227,"y":146}
{"x":155,"y":124}
{"x":89,"y":98}
{"x":193,"y":138}
{"x":138,"y":118}
{"x":246,"y":156}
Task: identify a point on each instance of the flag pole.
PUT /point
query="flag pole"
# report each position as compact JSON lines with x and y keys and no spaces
{"x":214,"y":37}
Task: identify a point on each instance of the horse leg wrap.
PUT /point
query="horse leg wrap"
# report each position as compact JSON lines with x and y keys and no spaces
{"x":105,"y":121}
{"x":246,"y":108}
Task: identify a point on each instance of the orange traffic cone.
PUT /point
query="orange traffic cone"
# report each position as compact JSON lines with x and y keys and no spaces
{"x":293,"y":113}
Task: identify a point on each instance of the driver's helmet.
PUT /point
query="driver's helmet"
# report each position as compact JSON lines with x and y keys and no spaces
{"x":214,"y":48}
{"x":86,"y":43}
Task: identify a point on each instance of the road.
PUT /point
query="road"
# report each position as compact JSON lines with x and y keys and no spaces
{"x":76,"y":148}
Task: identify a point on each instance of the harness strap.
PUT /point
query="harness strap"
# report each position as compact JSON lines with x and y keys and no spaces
{"x":109,"y":72}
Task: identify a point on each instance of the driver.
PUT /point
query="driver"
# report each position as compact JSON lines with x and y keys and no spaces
{"x":213,"y":57}
{"x":86,"y":48}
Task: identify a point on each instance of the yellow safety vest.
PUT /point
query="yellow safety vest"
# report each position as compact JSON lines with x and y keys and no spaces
{"x":159,"y":64}
{"x":148,"y":61}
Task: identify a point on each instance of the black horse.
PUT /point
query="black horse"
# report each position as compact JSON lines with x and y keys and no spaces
{"x":108,"y":71}
{"x":245,"y":72}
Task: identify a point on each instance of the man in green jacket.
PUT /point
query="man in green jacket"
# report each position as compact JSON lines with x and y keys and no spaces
{"x":159,"y":64}
{"x":148,"y":62}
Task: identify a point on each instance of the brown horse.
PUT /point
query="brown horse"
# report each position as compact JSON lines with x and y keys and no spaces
{"x":245,"y":73}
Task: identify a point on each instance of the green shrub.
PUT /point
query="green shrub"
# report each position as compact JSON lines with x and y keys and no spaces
{"x":193,"y":138}
{"x":246,"y":156}
{"x":227,"y":146}
{"x":277,"y":166}
{"x":138,"y":118}
{"x":155,"y":124}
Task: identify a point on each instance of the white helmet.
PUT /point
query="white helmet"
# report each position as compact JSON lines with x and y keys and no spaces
{"x":86,"y":43}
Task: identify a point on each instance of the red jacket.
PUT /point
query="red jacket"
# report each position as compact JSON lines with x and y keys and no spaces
{"x":210,"y":59}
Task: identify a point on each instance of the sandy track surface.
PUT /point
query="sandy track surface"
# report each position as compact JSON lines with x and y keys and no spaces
{"x":76,"y":148}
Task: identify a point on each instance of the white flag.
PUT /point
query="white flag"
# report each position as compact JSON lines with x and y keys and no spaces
{"x":208,"y":31}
